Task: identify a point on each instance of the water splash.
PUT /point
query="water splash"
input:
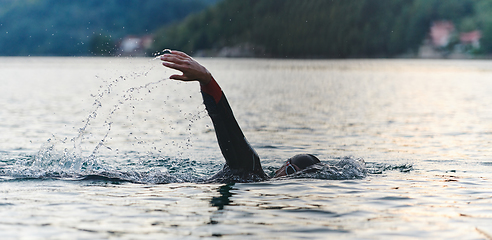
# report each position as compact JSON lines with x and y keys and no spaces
{"x":379,"y":168}
{"x":67,"y":158}
{"x":346,"y":168}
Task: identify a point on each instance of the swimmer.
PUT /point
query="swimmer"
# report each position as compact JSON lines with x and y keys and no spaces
{"x":242,"y":161}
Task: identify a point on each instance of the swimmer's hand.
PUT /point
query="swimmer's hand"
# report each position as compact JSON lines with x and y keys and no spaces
{"x":191,"y":69}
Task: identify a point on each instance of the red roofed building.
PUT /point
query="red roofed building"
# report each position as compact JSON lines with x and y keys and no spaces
{"x":135,"y":46}
{"x":440,"y":33}
{"x":471,"y":38}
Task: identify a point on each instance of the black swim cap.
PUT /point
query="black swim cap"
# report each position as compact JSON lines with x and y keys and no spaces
{"x":303,"y":161}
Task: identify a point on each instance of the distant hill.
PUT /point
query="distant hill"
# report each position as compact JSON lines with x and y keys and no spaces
{"x":320,"y":28}
{"x":61,"y":27}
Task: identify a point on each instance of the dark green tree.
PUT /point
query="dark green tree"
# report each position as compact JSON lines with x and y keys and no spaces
{"x":101,"y":45}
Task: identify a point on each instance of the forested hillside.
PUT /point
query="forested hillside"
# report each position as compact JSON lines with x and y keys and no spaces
{"x":259,"y":28}
{"x":321,"y":28}
{"x":68,"y":27}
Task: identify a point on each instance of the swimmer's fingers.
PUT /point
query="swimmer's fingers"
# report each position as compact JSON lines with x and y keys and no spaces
{"x":181,"y":54}
{"x":177,"y":63}
{"x":175,"y":56}
{"x":191,"y":69}
{"x":173,"y":61}
{"x":173,"y":65}
{"x":182,"y":78}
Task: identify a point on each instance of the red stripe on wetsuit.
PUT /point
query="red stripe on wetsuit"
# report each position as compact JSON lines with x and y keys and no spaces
{"x":213,"y":89}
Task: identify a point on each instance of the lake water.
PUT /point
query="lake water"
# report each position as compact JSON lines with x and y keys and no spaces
{"x":95,"y":148}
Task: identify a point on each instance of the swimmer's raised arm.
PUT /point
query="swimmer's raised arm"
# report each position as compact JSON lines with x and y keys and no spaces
{"x":191,"y":69}
{"x":241,"y":159}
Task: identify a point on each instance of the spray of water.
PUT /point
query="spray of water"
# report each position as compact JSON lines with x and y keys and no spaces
{"x":75,"y":162}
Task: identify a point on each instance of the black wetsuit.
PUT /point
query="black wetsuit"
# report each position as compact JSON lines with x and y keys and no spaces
{"x":242,"y":162}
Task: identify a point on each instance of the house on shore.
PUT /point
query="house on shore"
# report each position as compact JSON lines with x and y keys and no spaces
{"x":135,"y":46}
{"x":444,"y":41}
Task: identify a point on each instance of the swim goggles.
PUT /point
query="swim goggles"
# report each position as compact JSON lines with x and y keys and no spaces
{"x":289,"y":168}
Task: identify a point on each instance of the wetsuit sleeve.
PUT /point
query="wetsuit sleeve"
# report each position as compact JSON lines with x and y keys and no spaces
{"x":239,"y":155}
